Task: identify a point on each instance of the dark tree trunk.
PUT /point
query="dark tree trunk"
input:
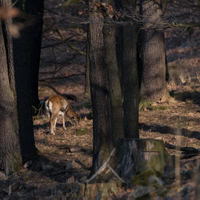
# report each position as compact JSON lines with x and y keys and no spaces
{"x":10,"y":152}
{"x":35,"y":10}
{"x":23,"y":89}
{"x":114,"y":81}
{"x":130,"y":81}
{"x":87,"y":95}
{"x":153,"y":85}
{"x":102,"y":131}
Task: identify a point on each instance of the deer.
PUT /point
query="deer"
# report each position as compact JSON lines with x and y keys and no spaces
{"x":57,"y":105}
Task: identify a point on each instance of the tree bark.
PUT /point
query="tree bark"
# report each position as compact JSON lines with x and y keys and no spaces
{"x":10,"y":152}
{"x":34,"y":10}
{"x":87,"y":94}
{"x":130,"y":80}
{"x":139,"y":155}
{"x":153,"y":85}
{"x":21,"y":55}
{"x":102,"y":130}
{"x":114,"y":81}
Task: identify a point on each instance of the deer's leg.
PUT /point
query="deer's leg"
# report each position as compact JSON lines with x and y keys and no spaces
{"x":53,"y":122}
{"x":63,"y":116}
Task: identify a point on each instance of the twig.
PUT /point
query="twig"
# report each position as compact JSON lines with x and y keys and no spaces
{"x":103,"y":166}
{"x":113,"y":171}
{"x":71,"y":46}
{"x":82,"y":165}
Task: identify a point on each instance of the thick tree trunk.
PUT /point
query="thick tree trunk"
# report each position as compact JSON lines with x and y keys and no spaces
{"x":130,"y":81}
{"x":114,"y":82}
{"x":24,"y":95}
{"x":10,"y":152}
{"x":102,"y":131}
{"x":35,"y":11}
{"x":153,"y":85}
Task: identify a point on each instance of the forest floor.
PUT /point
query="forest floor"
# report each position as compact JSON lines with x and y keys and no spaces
{"x":54,"y":173}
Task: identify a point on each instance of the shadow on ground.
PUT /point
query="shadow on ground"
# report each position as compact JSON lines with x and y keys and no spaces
{"x":167,"y":129}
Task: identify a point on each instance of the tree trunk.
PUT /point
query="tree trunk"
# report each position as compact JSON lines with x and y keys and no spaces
{"x":87,"y":95}
{"x":153,"y":85}
{"x":10,"y":152}
{"x":130,"y":81}
{"x":35,"y":11}
{"x":102,"y":131}
{"x":24,"y":95}
{"x":114,"y":81}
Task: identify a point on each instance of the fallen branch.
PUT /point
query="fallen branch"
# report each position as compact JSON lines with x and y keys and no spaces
{"x":82,"y":165}
{"x":99,"y":171}
{"x":113,"y":171}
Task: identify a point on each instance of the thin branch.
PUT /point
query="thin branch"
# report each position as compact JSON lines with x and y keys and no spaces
{"x":71,"y":46}
{"x":65,"y":77}
{"x":99,"y":171}
{"x":113,"y":171}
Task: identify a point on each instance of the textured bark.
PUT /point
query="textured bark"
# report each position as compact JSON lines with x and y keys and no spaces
{"x":35,"y":8}
{"x":153,"y":85}
{"x":197,"y":189}
{"x":130,"y":81}
{"x":139,"y":155}
{"x":102,"y":131}
{"x":23,"y":89}
{"x":114,"y":81}
{"x":10,"y":152}
{"x":35,"y":11}
{"x":87,"y":95}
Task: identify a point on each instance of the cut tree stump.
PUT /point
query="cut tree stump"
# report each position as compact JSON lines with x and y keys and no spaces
{"x":131,"y":157}
{"x":139,"y":155}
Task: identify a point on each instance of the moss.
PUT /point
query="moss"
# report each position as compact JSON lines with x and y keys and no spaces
{"x":160,"y":107}
{"x":173,"y":67}
{"x":143,"y":178}
{"x":81,"y":131}
{"x":41,"y":90}
{"x":144,"y":104}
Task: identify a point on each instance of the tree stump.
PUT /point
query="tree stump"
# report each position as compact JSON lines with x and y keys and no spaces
{"x":139,"y":155}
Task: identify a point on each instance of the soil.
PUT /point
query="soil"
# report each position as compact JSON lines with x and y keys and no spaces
{"x":46,"y":175}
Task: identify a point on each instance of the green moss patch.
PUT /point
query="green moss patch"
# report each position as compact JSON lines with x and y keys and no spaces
{"x":160,"y":107}
{"x":143,"y":178}
{"x":81,"y":131}
{"x":144,"y":104}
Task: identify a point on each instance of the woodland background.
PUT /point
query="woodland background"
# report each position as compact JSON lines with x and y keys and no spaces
{"x":62,"y":70}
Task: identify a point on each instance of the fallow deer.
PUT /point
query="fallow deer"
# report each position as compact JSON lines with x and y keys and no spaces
{"x":57,"y":105}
